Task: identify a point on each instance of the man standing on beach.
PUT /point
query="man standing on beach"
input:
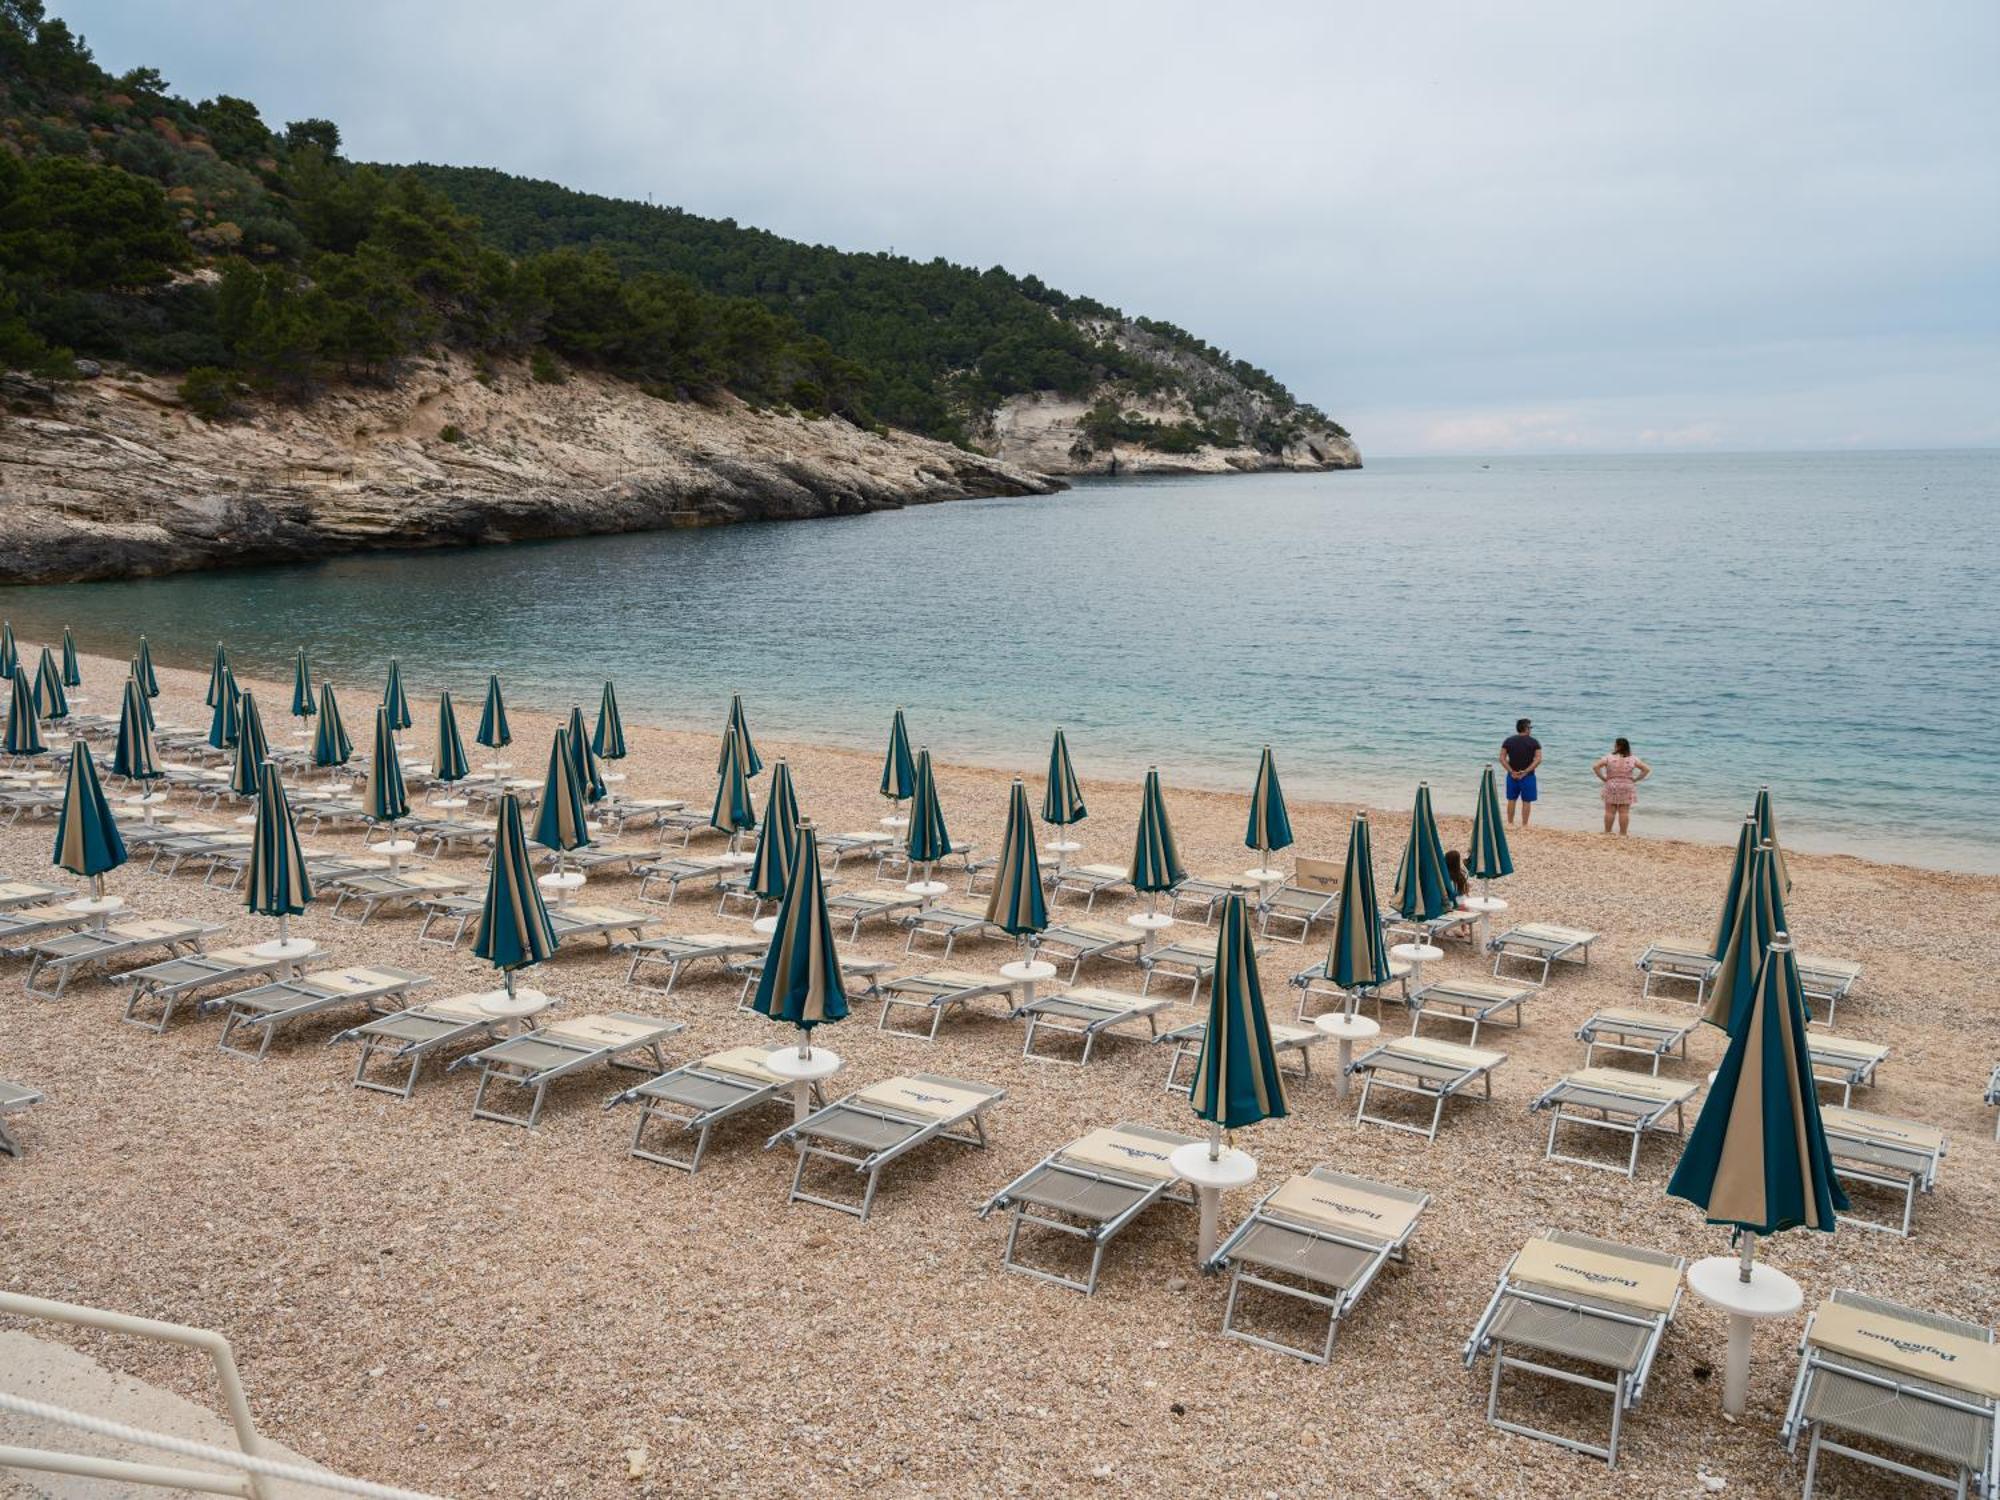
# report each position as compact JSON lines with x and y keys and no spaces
{"x":1520,"y":754}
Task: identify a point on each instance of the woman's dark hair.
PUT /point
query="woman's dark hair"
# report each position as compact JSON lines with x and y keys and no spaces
{"x":1622,"y":745}
{"x":1454,"y":866}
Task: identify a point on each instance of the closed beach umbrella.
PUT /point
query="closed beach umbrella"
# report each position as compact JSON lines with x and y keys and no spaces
{"x":589,"y":775}
{"x":302,"y":687}
{"x":72,"y":669}
{"x":1760,"y":916}
{"x":1756,"y":1158}
{"x":449,"y":764}
{"x":276,"y":884}
{"x":142,"y":668}
{"x":732,"y":813}
{"x":1017,"y":904}
{"x":50,"y":699}
{"x":1156,"y":861}
{"x":135,"y":757}
{"x":493,"y":731}
{"x":223,"y":721}
{"x":1424,"y":889}
{"x":1490,"y":857}
{"x":608,"y":739}
{"x":24,"y":730}
{"x":800,"y":985}
{"x":746,"y":751}
{"x":1236,"y":1077}
{"x":87,"y":838}
{"x":331,"y":746}
{"x":252,"y":749}
{"x":384,"y":800}
{"x":1358,"y":959}
{"x":394,"y":699}
{"x":145,"y":698}
{"x":10,"y":655}
{"x":560,"y":823}
{"x":1062,"y":802}
{"x":1739,"y":883}
{"x":1270,"y":826}
{"x":514,"y":930}
{"x":899,"y":767}
{"x":778,"y":840}
{"x":927,"y":840}
{"x":218,"y":674}
{"x":1767,"y":833}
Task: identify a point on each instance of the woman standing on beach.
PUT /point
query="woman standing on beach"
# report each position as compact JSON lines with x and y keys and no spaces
{"x":1621,"y":772}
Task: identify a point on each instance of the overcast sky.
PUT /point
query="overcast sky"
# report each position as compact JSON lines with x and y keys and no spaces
{"x":1457,"y":227}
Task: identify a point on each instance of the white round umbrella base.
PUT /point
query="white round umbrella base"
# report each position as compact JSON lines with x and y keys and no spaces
{"x":1150,"y":921}
{"x":1348,"y":1028}
{"x":1062,"y":846}
{"x":287,"y":948}
{"x":500,"y":1004}
{"x":95,"y":906}
{"x":927,"y":888}
{"x":1769,"y":1293}
{"x":1232,"y":1169}
{"x":1023,"y":971}
{"x":1484,"y":905}
{"x":1416,"y":953}
{"x":1264,"y":876}
{"x":818,"y":1063}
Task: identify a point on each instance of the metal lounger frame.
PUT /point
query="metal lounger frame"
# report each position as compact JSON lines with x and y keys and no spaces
{"x":14,"y":1098}
{"x":1905,"y":1170}
{"x":151,"y":983}
{"x":1313,"y":981}
{"x":676,"y":873}
{"x":933,"y":921}
{"x":410,"y":1036}
{"x":1198,"y":962}
{"x":1186,"y":1042}
{"x":1631,"y":1115}
{"x":1097,"y":1232}
{"x":851,"y":906}
{"x":1295,"y":903}
{"x":1078,"y":881}
{"x":457,"y":910}
{"x":1206,"y":895}
{"x":1084,"y":946}
{"x":1412,"y":1076}
{"x":1846,"y":1073}
{"x":871,"y":1163}
{"x":67,"y":964}
{"x":1830,"y":985}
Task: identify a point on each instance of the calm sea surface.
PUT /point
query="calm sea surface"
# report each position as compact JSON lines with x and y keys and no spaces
{"x":1827,"y":623}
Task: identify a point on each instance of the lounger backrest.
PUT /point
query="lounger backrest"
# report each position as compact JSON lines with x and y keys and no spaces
{"x":718,"y":940}
{"x":29,"y":915}
{"x":1480,"y":989}
{"x":604,"y":1030}
{"x":356,"y":981}
{"x":458,"y":1008}
{"x":965,"y":979}
{"x":1103,"y":872}
{"x":1321,"y":876}
{"x":151,"y":930}
{"x":1102,"y":999}
{"x":1823,"y":1044}
{"x":1881,"y":1130}
{"x":609,"y":916}
{"x":20,"y":890}
{"x":1632,"y":1085}
{"x":1843,"y":968}
{"x":1284,"y":1034}
{"x":1597,"y":1273}
{"x":742,"y":1062}
{"x":1644,"y":1018}
{"x":1345,"y":1206}
{"x":930,"y":1099}
{"x":1549,"y":933}
{"x":1917,"y":1349}
{"x":1451,"y":1054}
{"x":1121,"y":1151}
{"x":232,"y":957}
{"x":875,"y":895}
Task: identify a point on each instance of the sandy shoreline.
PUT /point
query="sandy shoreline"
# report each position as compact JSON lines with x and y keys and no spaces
{"x":476,"y":1309}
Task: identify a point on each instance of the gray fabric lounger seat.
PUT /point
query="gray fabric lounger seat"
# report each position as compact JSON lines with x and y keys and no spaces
{"x":15,"y":1098}
{"x":1426,"y":1067}
{"x":1186,"y":1043}
{"x":1642,"y":1033}
{"x":1088,"y":1012}
{"x":62,"y":958}
{"x":23,"y":926}
{"x":1899,"y":1378}
{"x":835,"y":847}
{"x":950,"y":922}
{"x":1540,"y":946}
{"x":1616,"y":1100}
{"x":878,"y":1125}
{"x":271,"y":1007}
{"x":1192,"y":961}
{"x":164,"y":985}
{"x":700,"y":1095}
{"x":1311,"y":895}
{"x":871,"y":903}
{"x":405,"y":1038}
{"x":1470,"y":1002}
{"x":1584,"y":1311}
{"x":451,"y":914}
{"x":1092,"y":1189}
{"x":1677,"y":961}
{"x":1899,"y":1156}
{"x":536,"y":1059}
{"x":1321,"y":1239}
{"x":574,"y":923}
{"x":675,"y":953}
{"x":1079,"y":941}
{"x":935,"y":992}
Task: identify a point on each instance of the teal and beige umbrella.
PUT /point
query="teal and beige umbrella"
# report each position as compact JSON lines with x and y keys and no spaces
{"x":927,"y":840}
{"x":87,"y":839}
{"x":218,"y":675}
{"x":331,"y":746}
{"x":1156,"y":860}
{"x":560,"y":824}
{"x":276,"y":884}
{"x":135,"y":757}
{"x":1357,"y":960}
{"x":1424,"y":889}
{"x":51,"y":702}
{"x":72,"y":669}
{"x":733,"y":813}
{"x":253,"y":751}
{"x":514,"y":932}
{"x":746,"y":749}
{"x":142,"y":668}
{"x":1767,"y":833}
{"x":899,"y":769}
{"x":1017,"y":905}
{"x":777,"y":838}
{"x":800,"y":983}
{"x":449,"y":764}
{"x":1490,"y":857}
{"x":24,"y":729}
{"x":384,"y":801}
{"x":1270,"y":825}
{"x":145,"y":698}
{"x":589,"y":775}
{"x":1760,"y":916}
{"x":1062,"y":800}
{"x":493,"y":732}
{"x":608,"y":738}
{"x":10,"y":654}
{"x":222,"y":722}
{"x":302,"y":690}
{"x":1739,"y":883}
{"x":394,"y":699}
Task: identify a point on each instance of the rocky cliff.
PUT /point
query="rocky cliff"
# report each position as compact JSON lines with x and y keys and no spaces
{"x":114,"y":476}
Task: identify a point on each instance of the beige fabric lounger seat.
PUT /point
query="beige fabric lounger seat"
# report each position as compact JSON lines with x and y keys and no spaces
{"x":1077,"y":942}
{"x":875,"y":1126}
{"x":15,"y":1098}
{"x":689,"y":870}
{"x":698,"y":1096}
{"x":1186,"y":1043}
{"x":1453,"y":924}
{"x":1088,"y":1012}
{"x":1470,"y":1002}
{"x":166,"y":983}
{"x":375,"y":891}
{"x":1540,"y":946}
{"x":271,"y":1007}
{"x":676,"y":953}
{"x":1842,"y":1062}
{"x":15,"y":893}
{"x":1617,"y":1100}
{"x":1677,"y":961}
{"x":1193,"y":961}
{"x":1312,"y":984}
{"x":574,"y":923}
{"x":406,"y":1038}
{"x":1828,"y":979}
{"x":1895,"y":1377}
{"x":536,"y":1059}
{"x":936,"y":992}
{"x":950,"y":922}
{"x":1901,"y":1156}
{"x":22,"y":926}
{"x":1642,"y":1033}
{"x":63,"y":957}
{"x":1090,"y":882}
{"x":1092,"y":1189}
{"x":1321,"y":1239}
{"x":889,"y":903}
{"x":1587,"y":1312}
{"x":1199,"y":896}
{"x":1426,"y":1067}
{"x":1310,"y":895}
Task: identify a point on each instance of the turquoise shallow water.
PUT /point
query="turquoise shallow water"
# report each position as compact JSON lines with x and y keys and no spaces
{"x":1822,"y":622}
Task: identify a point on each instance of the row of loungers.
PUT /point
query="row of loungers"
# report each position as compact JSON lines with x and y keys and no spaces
{"x":1671,"y":961}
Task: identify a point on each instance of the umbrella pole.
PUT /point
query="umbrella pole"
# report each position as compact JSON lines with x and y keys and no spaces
{"x":805,"y":1043}
{"x":1749,"y":1255}
{"x":507,"y":978}
{"x":1214,"y":1141}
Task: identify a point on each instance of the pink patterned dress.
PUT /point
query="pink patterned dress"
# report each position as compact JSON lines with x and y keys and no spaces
{"x":1619,"y":788}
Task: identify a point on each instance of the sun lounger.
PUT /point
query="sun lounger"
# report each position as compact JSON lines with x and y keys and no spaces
{"x":188,"y":846}
{"x":1624,"y":1102}
{"x":950,"y":923}
{"x":937,"y":992}
{"x":1452,"y":924}
{"x":1843,"y":1063}
{"x":442,"y":833}
{"x":23,"y":925}
{"x":607,"y":858}
{"x":167,"y":983}
{"x":405,"y":888}
{"x":1640,"y":1032}
{"x":1901,"y":1156}
{"x":1193,"y":961}
{"x":835,"y":847}
{"x":676,"y":953}
{"x":627,"y":813}
{"x":574,"y":923}
{"x":875,"y":1126}
{"x":895,"y":859}
{"x":1327,"y":1235}
{"x":271,"y":1007}
{"x":1083,"y":939}
{"x":869,"y":903}
{"x":1088,"y":1012}
{"x":1312,"y":984}
{"x":687,"y":822}
{"x":64,"y":956}
{"x":1827,"y":979}
{"x":407,"y":1037}
{"x":1677,"y":961}
{"x":1473,"y":1002}
{"x":1092,"y":1189}
{"x":1895,"y":1377}
{"x":1310,"y":895}
{"x":1541,"y":946}
{"x":698,"y":1096}
{"x":458,"y":912}
{"x":15,"y":1098}
{"x":861,"y":977}
{"x":1199,"y":896}
{"x":687,"y":869}
{"x":1089,"y":882}
{"x":535,"y":1059}
{"x":1598,"y":1307}
{"x":1426,"y":1067}
{"x":18,"y":893}
{"x":1186,"y":1043}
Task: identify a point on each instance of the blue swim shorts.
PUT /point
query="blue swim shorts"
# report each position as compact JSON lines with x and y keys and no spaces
{"x":1520,"y":788}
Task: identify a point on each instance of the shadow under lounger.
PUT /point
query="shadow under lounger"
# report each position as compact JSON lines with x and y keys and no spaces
{"x":700,"y":1095}
{"x":875,"y":1126}
{"x":535,"y":1059}
{"x":271,"y":1007}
